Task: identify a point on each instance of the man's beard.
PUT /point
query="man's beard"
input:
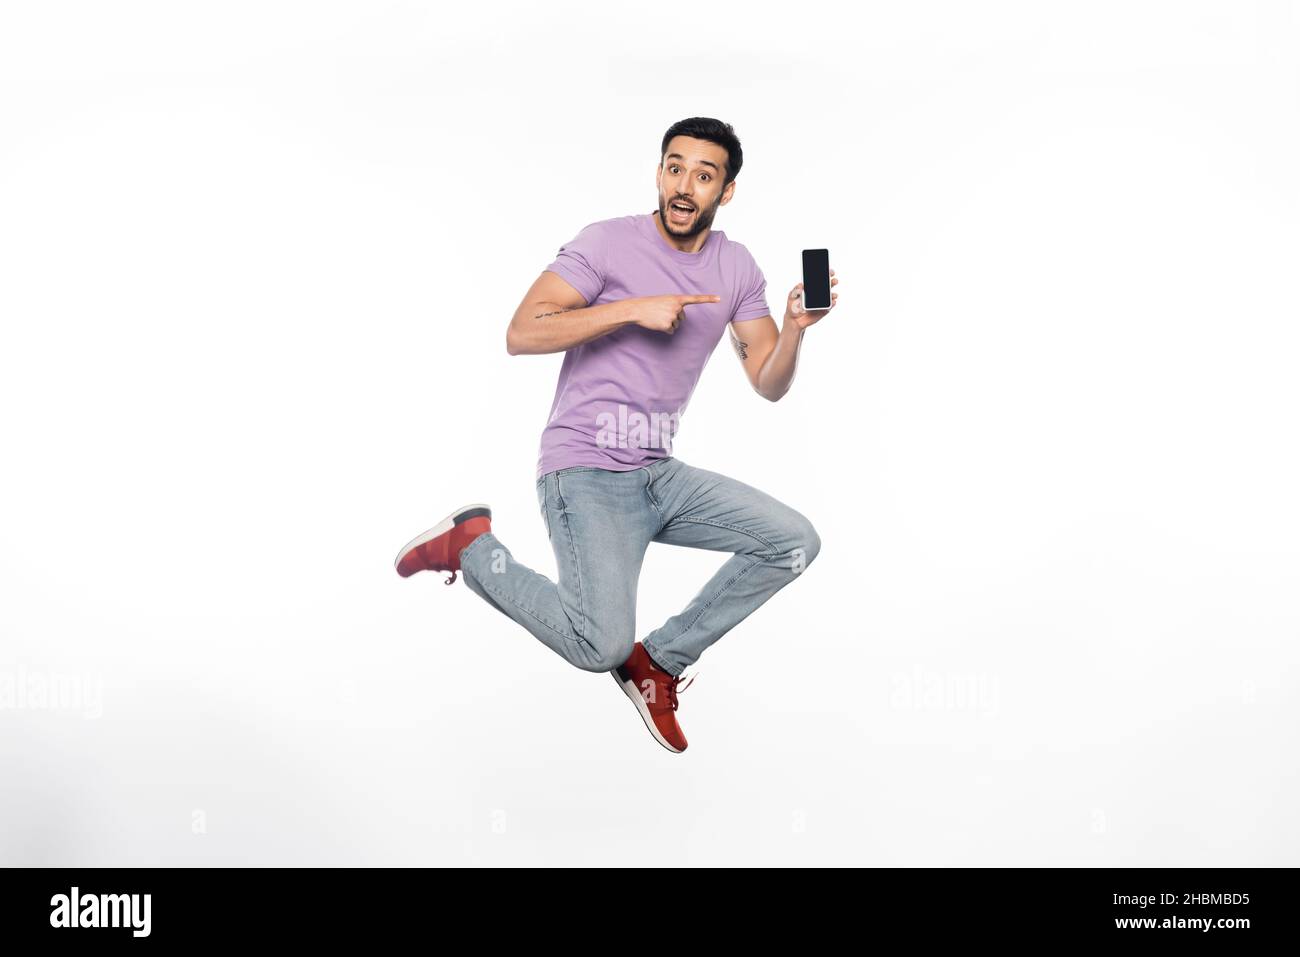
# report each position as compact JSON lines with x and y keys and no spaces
{"x":702,"y":220}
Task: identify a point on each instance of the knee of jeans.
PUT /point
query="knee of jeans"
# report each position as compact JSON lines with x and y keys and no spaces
{"x":805,"y":543}
{"x":605,"y":652}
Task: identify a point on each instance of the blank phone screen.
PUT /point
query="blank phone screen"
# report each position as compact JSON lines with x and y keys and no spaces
{"x":816,"y":279}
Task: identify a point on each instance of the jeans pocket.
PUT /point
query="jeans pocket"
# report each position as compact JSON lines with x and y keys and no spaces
{"x":543,"y":504}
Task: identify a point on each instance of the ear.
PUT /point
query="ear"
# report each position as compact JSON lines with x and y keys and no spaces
{"x":728,"y":193}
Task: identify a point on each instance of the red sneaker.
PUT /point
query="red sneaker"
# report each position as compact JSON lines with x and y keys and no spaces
{"x":654,"y":692}
{"x":438,"y":549}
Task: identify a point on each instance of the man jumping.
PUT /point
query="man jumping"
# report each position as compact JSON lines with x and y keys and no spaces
{"x":607,"y":482}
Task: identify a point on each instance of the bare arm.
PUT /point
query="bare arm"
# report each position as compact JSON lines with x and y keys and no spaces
{"x":554,"y":317}
{"x":769,"y":357}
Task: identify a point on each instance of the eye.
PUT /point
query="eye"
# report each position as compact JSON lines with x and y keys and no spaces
{"x":705,"y":175}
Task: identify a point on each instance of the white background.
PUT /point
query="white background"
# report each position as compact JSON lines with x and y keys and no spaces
{"x":256,"y":265}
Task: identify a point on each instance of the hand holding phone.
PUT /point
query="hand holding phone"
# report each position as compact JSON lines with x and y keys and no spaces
{"x":813,"y":298}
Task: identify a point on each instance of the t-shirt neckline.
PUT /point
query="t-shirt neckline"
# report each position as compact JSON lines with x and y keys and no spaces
{"x":703,"y":256}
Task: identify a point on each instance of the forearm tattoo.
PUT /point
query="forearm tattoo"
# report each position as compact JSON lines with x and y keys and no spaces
{"x":543,"y":315}
{"x":740,"y":347}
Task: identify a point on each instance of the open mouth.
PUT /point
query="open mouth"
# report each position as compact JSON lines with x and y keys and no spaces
{"x":681,"y":212}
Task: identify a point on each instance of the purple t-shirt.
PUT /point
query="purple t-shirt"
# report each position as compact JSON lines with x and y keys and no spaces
{"x":620,"y":397}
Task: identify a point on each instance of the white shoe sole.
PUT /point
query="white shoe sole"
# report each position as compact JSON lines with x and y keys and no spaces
{"x":634,"y":695}
{"x":446,"y":525}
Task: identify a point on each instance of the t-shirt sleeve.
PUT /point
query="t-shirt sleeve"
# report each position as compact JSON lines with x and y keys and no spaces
{"x":753,"y":300}
{"x":581,"y":262}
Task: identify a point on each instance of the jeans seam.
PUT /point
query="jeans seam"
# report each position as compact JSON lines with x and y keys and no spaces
{"x":546,"y":505}
{"x":657,"y":656}
{"x":483,"y":583}
{"x":472,"y":546}
{"x":772,"y":550}
{"x":538,"y":618}
{"x":649,"y":491}
{"x":718,"y":594}
{"x":573,"y":551}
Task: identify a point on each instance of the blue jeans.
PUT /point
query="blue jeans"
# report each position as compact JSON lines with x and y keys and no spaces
{"x":600,"y":523}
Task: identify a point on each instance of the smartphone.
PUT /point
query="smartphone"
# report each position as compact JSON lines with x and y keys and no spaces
{"x":816,"y":279}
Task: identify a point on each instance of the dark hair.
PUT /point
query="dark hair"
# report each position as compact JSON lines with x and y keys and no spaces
{"x":715,"y":131}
